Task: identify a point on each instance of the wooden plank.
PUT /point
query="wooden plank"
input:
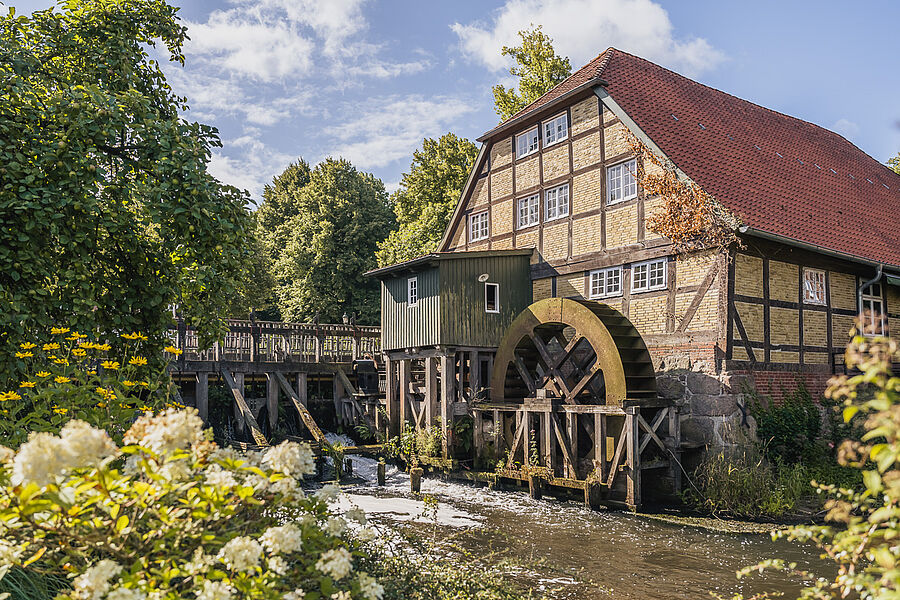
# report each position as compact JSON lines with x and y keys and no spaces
{"x":633,"y":482}
{"x":404,"y":392}
{"x":202,"y":396}
{"x":617,"y":457}
{"x":391,"y":397}
{"x":517,"y":439}
{"x":432,"y":403}
{"x":302,"y":389}
{"x":568,"y":462}
{"x":478,"y":433}
{"x":651,"y":430}
{"x":705,"y":284}
{"x":247,"y":414}
{"x":524,"y":374}
{"x":547,"y":453}
{"x":305,"y":415}
{"x":572,"y":431}
{"x":272,"y":400}
{"x":600,"y":445}
{"x":448,"y":395}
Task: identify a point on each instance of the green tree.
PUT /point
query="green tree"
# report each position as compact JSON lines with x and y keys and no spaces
{"x":341,"y":215}
{"x":108,"y":215}
{"x":427,"y":196}
{"x":538,"y":68}
{"x":894,"y":163}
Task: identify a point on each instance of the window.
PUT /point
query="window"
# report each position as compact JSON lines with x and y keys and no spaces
{"x":529,"y":210}
{"x":492,"y":297}
{"x":556,"y":129}
{"x":606,"y":282}
{"x":527,"y":143}
{"x":647,"y":276}
{"x":557,"y":202}
{"x":478,"y":227}
{"x":620,"y":182}
{"x":412,"y":291}
{"x":814,"y":286}
{"x":873,"y":310}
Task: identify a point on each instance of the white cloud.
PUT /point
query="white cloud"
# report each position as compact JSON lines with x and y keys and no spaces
{"x":845,"y":127}
{"x":247,"y":163}
{"x":392,"y":128}
{"x":581,"y":29}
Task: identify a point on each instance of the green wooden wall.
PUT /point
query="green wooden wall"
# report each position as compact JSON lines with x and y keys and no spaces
{"x":405,"y":326}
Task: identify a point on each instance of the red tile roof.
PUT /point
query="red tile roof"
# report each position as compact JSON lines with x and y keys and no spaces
{"x":779,"y":174}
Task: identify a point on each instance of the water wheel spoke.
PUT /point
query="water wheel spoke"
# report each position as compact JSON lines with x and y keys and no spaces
{"x":524,"y":374}
{"x":551,"y":364}
{"x":583,"y":383}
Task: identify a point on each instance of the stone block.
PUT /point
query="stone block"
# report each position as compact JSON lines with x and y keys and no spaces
{"x":713,"y":405}
{"x":699,"y":383}
{"x":679,"y":362}
{"x":737,"y":430}
{"x":698,"y":430}
{"x":669,"y":388}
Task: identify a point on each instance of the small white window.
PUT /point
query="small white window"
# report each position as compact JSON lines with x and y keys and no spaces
{"x":556,"y":130}
{"x":527,"y":143}
{"x":478,"y":227}
{"x":873,"y":311}
{"x":557,"y":202}
{"x":606,"y":282}
{"x":814,"y":286}
{"x":620,"y":183}
{"x":492,"y":297}
{"x":648,"y":276}
{"x":412,"y":291}
{"x":529,"y":210}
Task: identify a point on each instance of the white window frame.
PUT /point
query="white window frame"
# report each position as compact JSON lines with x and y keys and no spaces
{"x":649,"y":265}
{"x":555,"y":194}
{"x":412,"y":291}
{"x":556,"y":129}
{"x":495,"y":286}
{"x":814,"y":287}
{"x":626,"y":168}
{"x":869,"y":302}
{"x":534,"y":217}
{"x":531,"y":144}
{"x":604,"y":277}
{"x":482,"y":235}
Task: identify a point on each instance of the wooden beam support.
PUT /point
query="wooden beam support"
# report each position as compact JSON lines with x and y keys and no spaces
{"x":202,"y":396}
{"x":633,"y":482}
{"x":432,"y":402}
{"x":517,"y":438}
{"x":391,"y":397}
{"x":272,"y":400}
{"x":404,"y":393}
{"x":305,"y":415}
{"x":246,"y":413}
{"x":448,"y":395}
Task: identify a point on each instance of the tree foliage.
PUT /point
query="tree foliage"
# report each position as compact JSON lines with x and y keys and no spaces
{"x":538,"y":68}
{"x":321,"y":229}
{"x":427,"y":196}
{"x":894,"y":163}
{"x":108,"y":213}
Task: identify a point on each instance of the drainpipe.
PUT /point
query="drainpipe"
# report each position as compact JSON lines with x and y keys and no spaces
{"x":864,"y":285}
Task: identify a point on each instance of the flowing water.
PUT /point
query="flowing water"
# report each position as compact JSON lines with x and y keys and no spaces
{"x":570,"y":552}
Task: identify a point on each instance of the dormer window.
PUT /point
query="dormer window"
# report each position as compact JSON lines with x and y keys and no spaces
{"x":527,"y":143}
{"x":556,"y":130}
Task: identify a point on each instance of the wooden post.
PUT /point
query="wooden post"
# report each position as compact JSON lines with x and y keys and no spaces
{"x":478,"y":434}
{"x":302,"y":389}
{"x":461,"y":382}
{"x":317,"y":343}
{"x":572,"y":432}
{"x":238,"y":414}
{"x":633,"y":457}
{"x":272,"y":400}
{"x":593,"y":494}
{"x":497,"y":433}
{"x":546,"y":445}
{"x":474,"y":375}
{"x":381,"y":472}
{"x":348,"y":466}
{"x":218,"y":351}
{"x":202,"y":396}
{"x":415,"y":479}
{"x":405,"y":365}
{"x":431,"y":393}
{"x":448,"y":394}
{"x":535,"y":487}
{"x":600,"y":446}
{"x":674,"y":446}
{"x":390,"y":396}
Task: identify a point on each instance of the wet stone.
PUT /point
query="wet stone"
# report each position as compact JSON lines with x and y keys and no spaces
{"x":713,"y":405}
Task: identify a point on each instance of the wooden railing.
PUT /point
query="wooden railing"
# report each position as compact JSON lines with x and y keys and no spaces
{"x":271,"y":341}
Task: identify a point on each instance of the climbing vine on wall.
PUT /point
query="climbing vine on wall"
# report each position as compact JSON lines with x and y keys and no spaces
{"x":689,"y":216}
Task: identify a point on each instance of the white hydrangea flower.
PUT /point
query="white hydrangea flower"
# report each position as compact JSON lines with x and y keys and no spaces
{"x":227,"y":453}
{"x":278,"y":565}
{"x":86,"y":445}
{"x":9,"y":553}
{"x":123,"y":593}
{"x":366,"y":534}
{"x":342,"y":595}
{"x":290,"y":458}
{"x":241,"y":554}
{"x":289,"y":488}
{"x":253,"y":458}
{"x":297,"y":594}
{"x":257,"y":481}
{"x":199,"y":562}
{"x":328,"y":492}
{"x":6,"y":455}
{"x":356,"y":514}
{"x":168,"y":431}
{"x":175,"y":470}
{"x":218,"y":477}
{"x":282,"y":540}
{"x":39,"y":460}
{"x":215,"y":590}
{"x":335,"y":563}
{"x":369,"y":588}
{"x":335,"y":526}
{"x":94,"y":583}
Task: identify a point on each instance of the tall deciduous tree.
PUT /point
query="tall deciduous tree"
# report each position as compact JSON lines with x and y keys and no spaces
{"x":894,"y":163}
{"x":538,"y":68}
{"x":107,"y":212}
{"x":330,"y":229}
{"x":427,"y":197}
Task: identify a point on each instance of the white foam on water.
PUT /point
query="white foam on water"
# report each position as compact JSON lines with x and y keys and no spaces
{"x":408,"y":509}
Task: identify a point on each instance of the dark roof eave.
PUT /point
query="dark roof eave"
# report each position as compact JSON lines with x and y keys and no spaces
{"x":433,"y":257}
{"x":512,"y":123}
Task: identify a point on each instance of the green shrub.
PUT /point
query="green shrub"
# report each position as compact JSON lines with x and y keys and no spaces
{"x":789,"y":430}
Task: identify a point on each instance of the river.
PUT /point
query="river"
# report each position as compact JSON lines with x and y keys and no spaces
{"x":570,"y":552}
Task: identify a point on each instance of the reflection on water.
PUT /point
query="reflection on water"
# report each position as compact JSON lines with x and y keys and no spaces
{"x":583,"y":554}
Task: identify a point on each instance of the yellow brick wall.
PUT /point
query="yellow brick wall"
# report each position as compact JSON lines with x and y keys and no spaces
{"x":586,"y":191}
{"x":648,"y":314}
{"x":621,"y":226}
{"x":748,"y":271}
{"x":501,"y":153}
{"x":652,"y":206}
{"x":461,"y":233}
{"x":585,"y":115}
{"x":818,"y":358}
{"x":501,"y":184}
{"x":528,"y":239}
{"x":502,"y":218}
{"x":781,"y":356}
{"x":615,"y":303}
{"x":738,"y":352}
{"x":785,"y":326}
{"x":707,"y":316}
{"x":784,"y":281}
{"x":556,"y":162}
{"x":691,"y":269}
{"x":541,"y":289}
{"x":815,"y":328}
{"x":586,"y":151}
{"x":615,"y":141}
{"x":479,"y":193}
{"x":556,"y":240}
{"x":752,"y":317}
{"x":570,"y":285}
{"x":586,"y":235}
{"x":527,"y":175}
{"x":843,"y":290}
{"x":608,"y":116}
{"x":840,"y":328}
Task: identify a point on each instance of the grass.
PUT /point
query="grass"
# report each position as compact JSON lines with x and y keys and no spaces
{"x":27,"y":584}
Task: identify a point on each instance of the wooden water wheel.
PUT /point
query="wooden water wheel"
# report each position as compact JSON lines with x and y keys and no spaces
{"x":576,"y":352}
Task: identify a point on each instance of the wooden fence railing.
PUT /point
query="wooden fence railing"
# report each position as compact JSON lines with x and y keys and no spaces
{"x":271,"y":341}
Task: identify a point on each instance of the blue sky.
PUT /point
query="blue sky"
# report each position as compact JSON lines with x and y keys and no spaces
{"x":368,"y":79}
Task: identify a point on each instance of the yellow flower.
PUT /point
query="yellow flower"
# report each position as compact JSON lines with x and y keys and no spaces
{"x":79,"y":352}
{"x":27,"y":346}
{"x":137,"y":360}
{"x":43,"y":374}
{"x":86,"y":345}
{"x":59,"y":330}
{"x":9,"y":396}
{"x":24,"y":354}
{"x":105,"y":393}
{"x":112,"y":365}
{"x":27,"y":384}
{"x":127,"y":383}
{"x":101,"y":405}
{"x":61,"y":379}
{"x":145,"y":408}
{"x":172,"y":350}
{"x":143,"y":383}
{"x":61,"y":361}
{"x":92,"y":372}
{"x":103,"y":347}
{"x":60,"y":411}
{"x":53,"y":346}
